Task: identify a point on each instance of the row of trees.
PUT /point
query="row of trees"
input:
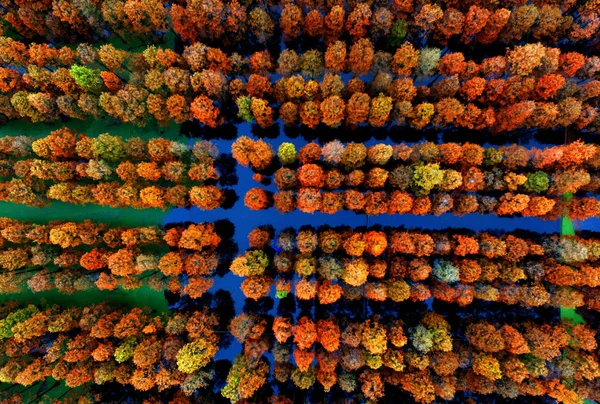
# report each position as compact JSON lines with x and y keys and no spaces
{"x":351,"y":156}
{"x":109,"y":170}
{"x":414,"y":172}
{"x":426,"y":357}
{"x":94,"y":69}
{"x":100,"y":343}
{"x":512,"y":247}
{"x":390,"y":23}
{"x":68,"y":234}
{"x":134,"y":105}
{"x":31,"y":170}
{"x":71,"y":257}
{"x":423,"y":179}
{"x":429,"y":359}
{"x":395,"y":265}
{"x":380,"y":111}
{"x":74,"y":279}
{"x":387,"y":293}
{"x":66,"y":144}
{"x":372,"y":203}
{"x":52,"y":392}
{"x":540,"y":92}
{"x":421,"y":169}
{"x":231,"y":22}
{"x":65,"y":156}
{"x":113,"y":194}
{"x":384,"y":293}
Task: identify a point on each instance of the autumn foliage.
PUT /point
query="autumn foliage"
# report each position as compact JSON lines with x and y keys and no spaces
{"x":435,"y":179}
{"x":331,"y":314}
{"x":110,"y":171}
{"x":80,"y":256}
{"x":424,"y":360}
{"x":101,"y":343}
{"x":526,"y":87}
{"x":393,"y":265}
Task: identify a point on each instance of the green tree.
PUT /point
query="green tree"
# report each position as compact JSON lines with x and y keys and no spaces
{"x":537,"y":182}
{"x":287,"y":153}
{"x":14,"y":318}
{"x":125,"y":350}
{"x":244,"y":111}
{"x":195,"y":355}
{"x":399,"y":31}
{"x":244,"y":378}
{"x":88,"y":79}
{"x":258,"y":261}
{"x":426,"y":177}
{"x":109,"y":147}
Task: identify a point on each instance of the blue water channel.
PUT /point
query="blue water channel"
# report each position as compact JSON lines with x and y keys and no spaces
{"x":245,"y":220}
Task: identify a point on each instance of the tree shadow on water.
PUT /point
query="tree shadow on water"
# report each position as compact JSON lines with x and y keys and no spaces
{"x":226,"y":165}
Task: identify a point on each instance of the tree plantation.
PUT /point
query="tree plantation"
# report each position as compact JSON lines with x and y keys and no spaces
{"x":299,"y":201}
